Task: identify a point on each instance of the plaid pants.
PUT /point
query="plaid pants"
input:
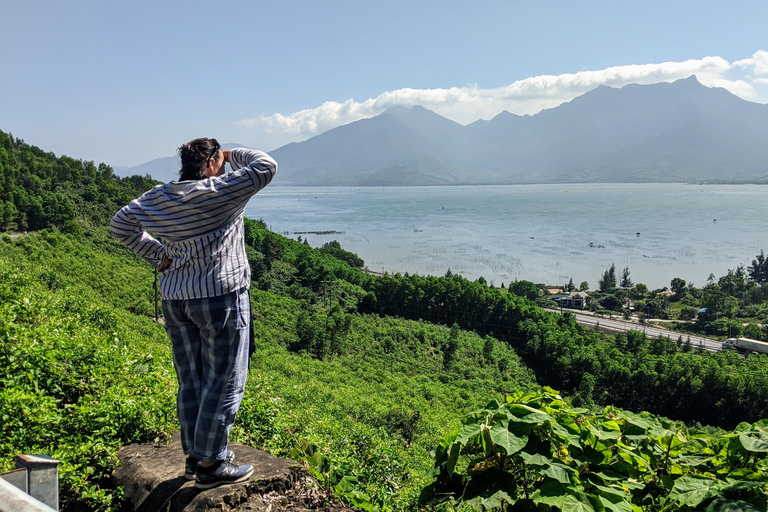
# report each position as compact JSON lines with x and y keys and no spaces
{"x":210,"y":339}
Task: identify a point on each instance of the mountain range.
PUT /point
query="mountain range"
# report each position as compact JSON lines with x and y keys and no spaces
{"x":666,"y":132}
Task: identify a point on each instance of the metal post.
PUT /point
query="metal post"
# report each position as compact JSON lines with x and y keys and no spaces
{"x":42,"y":478}
{"x":156,"y":318}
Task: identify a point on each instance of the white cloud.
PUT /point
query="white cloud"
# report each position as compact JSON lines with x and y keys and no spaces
{"x":758,"y":61}
{"x":528,"y":96}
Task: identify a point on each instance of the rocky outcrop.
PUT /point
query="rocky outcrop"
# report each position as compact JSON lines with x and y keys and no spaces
{"x":152,"y":477}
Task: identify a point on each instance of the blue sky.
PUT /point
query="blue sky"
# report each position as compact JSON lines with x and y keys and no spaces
{"x":127,"y":82}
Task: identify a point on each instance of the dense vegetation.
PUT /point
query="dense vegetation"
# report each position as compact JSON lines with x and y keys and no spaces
{"x":733,"y":305}
{"x":361,"y":377}
{"x":534,"y":452}
{"x":38,"y":190}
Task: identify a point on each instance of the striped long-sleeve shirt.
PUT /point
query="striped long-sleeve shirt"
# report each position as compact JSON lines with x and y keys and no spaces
{"x":200,"y":224}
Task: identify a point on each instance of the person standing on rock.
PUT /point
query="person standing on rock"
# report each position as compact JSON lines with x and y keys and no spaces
{"x":204,"y":288}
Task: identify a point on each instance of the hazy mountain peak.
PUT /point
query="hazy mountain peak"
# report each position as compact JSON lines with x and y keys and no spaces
{"x":666,"y":132}
{"x":397,"y":110}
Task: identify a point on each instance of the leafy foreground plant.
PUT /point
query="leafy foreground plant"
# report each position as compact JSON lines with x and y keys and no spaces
{"x":533,"y":452}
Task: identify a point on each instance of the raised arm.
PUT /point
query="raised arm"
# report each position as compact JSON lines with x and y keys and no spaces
{"x":258,"y":165}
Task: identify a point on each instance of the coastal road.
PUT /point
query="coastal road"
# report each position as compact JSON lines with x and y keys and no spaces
{"x":621,"y":325}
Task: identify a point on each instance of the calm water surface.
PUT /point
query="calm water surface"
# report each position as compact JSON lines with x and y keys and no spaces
{"x":542,"y":233}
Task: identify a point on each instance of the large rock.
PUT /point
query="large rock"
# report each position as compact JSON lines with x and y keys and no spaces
{"x":152,"y":476}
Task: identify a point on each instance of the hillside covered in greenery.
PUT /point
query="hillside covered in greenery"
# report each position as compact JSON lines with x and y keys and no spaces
{"x":397,"y":392}
{"x":39,"y":190}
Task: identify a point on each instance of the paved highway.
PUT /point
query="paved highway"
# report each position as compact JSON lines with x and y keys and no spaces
{"x":621,"y":325}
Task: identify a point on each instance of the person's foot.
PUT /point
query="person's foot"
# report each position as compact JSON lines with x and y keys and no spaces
{"x":222,"y":473}
{"x":190,"y":466}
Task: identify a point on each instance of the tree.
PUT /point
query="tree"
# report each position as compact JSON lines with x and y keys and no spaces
{"x":612,"y":302}
{"x":488,"y":349}
{"x":717,"y":303}
{"x":452,"y":347}
{"x":570,"y":286}
{"x":584,"y":286}
{"x":734,"y":282}
{"x":334,"y":249}
{"x":758,"y":270}
{"x":525,"y":289}
{"x":687,"y":313}
{"x":626,"y":282}
{"x":657,"y":307}
{"x":640,"y":291}
{"x":607,"y":283}
{"x":678,"y":286}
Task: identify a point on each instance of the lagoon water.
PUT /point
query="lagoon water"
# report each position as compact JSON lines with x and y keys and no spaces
{"x":541,"y":233}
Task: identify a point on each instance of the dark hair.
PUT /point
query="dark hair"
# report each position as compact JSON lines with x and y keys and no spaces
{"x":194,"y":157}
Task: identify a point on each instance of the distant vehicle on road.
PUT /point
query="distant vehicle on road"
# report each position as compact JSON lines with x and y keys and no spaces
{"x":746,"y":345}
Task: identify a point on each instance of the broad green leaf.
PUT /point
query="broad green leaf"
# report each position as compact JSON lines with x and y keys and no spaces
{"x":316,"y":461}
{"x":693,"y":460}
{"x":493,"y":405}
{"x":552,"y":501}
{"x":609,"y":476}
{"x":558,"y":404}
{"x":347,"y":484}
{"x":639,"y":422}
{"x":725,"y":505}
{"x":536,"y":460}
{"x":506,"y":440}
{"x":557,"y":472}
{"x":587,"y":454}
{"x":489,"y":488}
{"x":492,"y":502}
{"x":742,"y":485}
{"x":533,"y":418}
{"x":604,"y":434}
{"x":614,"y":491}
{"x":564,"y":433}
{"x":746,"y":474}
{"x":660,"y":432}
{"x":500,"y":415}
{"x":467,"y":432}
{"x":610,"y":425}
{"x":553,"y":493}
{"x":692,"y":491}
{"x":520,"y":410}
{"x":453,"y":456}
{"x":674,"y":440}
{"x":633,"y":456}
{"x":619,"y":505}
{"x":573,"y":504}
{"x":753,"y":444}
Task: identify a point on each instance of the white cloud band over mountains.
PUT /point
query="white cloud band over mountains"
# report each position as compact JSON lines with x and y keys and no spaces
{"x":746,"y":78}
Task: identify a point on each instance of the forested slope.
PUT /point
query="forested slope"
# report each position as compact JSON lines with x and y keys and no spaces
{"x":39,"y":190}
